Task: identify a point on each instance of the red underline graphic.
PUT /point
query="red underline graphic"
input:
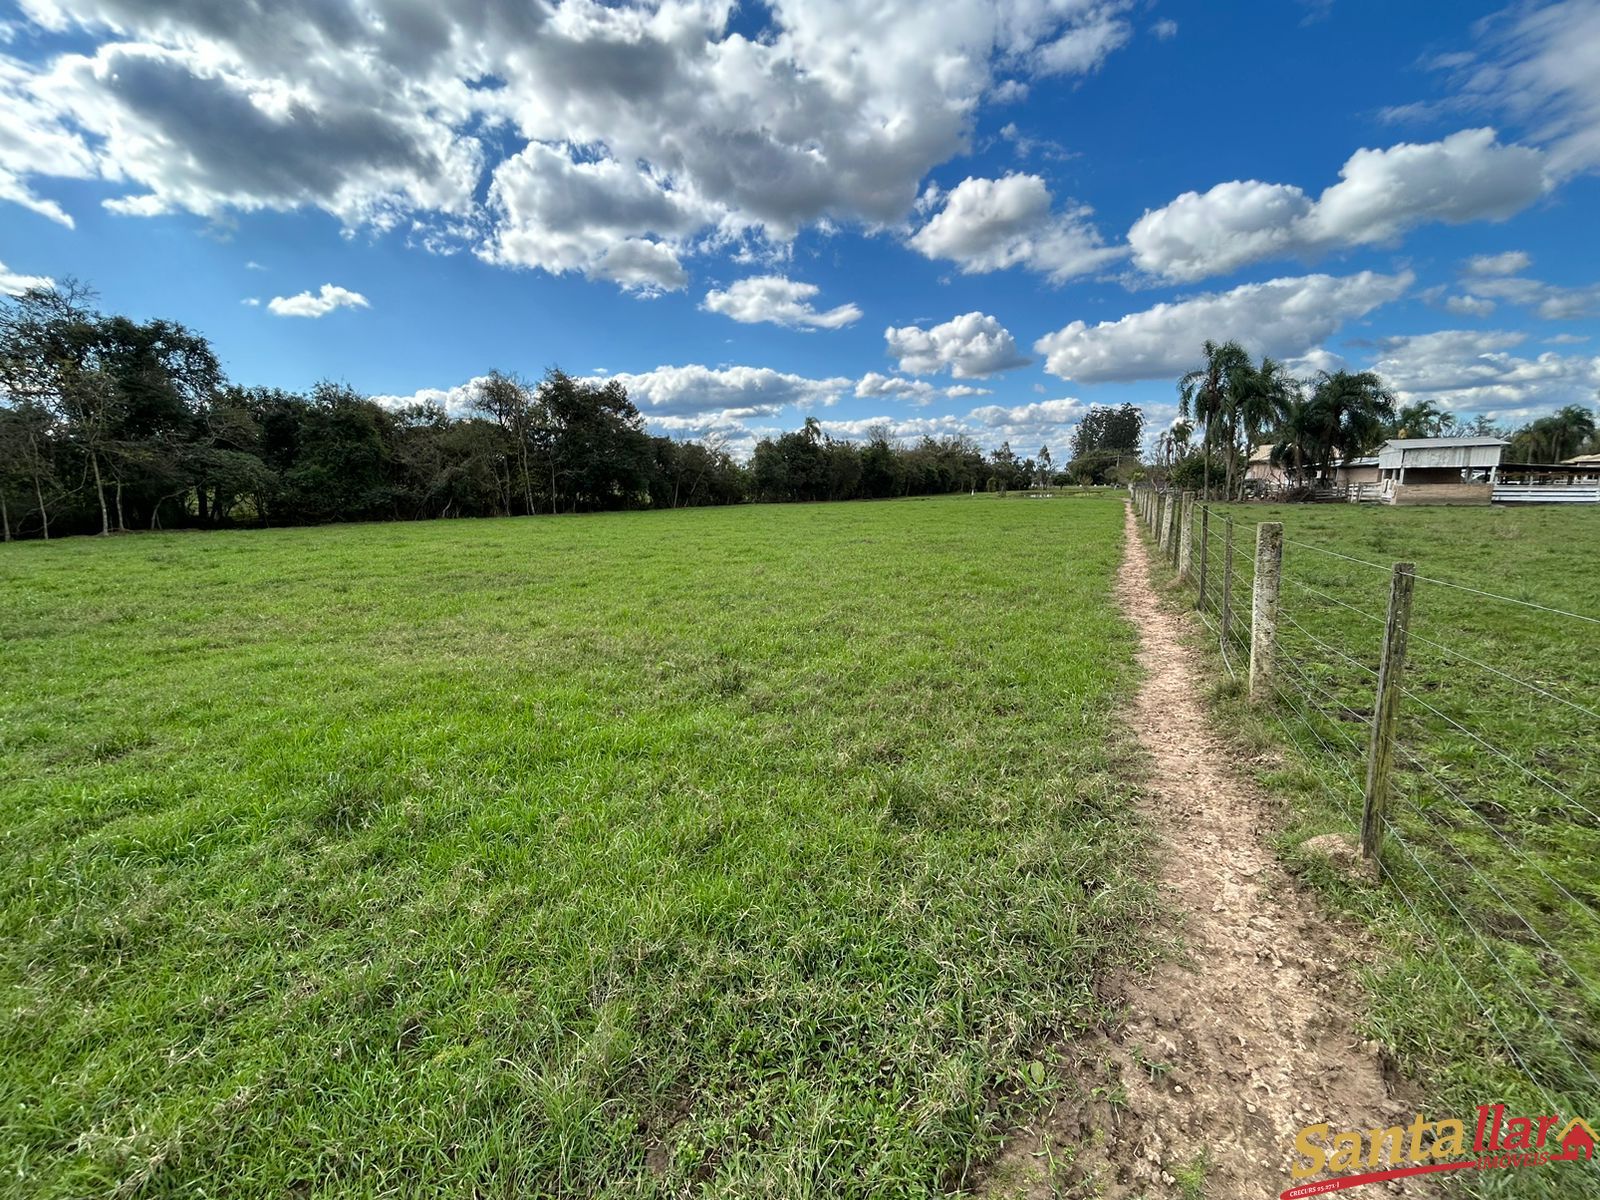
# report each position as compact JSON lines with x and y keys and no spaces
{"x":1323,"y":1186}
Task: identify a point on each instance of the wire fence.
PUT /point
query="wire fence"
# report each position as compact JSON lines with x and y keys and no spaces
{"x":1483,"y":805}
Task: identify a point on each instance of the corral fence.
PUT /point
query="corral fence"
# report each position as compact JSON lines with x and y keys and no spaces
{"x":1473,"y":785}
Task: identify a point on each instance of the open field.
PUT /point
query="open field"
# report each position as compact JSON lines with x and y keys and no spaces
{"x":1495,"y":835}
{"x":755,"y":849}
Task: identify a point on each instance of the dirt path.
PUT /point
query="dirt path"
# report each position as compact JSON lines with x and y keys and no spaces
{"x":1225,"y":1056}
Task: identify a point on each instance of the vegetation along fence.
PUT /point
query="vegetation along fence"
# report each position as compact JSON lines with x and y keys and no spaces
{"x":1454,"y":730}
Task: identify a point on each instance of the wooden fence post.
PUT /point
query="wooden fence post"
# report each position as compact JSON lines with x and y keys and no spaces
{"x":1264,"y":608}
{"x":1205,"y":548}
{"x":1227,"y":576}
{"x":1391,"y":669}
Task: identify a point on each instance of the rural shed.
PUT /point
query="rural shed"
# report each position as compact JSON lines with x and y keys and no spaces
{"x":1442,"y":470}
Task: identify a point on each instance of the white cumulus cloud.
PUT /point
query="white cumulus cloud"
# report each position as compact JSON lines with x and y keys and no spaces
{"x":991,"y":224}
{"x":1468,"y":305}
{"x":456,"y":400}
{"x":1282,"y":317}
{"x":873,"y":384}
{"x":1511,"y":262}
{"x":779,"y":301}
{"x":1475,"y":371}
{"x":1381,"y":194}
{"x":316,"y":304}
{"x":1549,"y":301}
{"x":13,"y":283}
{"x":1537,"y":66}
{"x":612,"y":140}
{"x":971,"y":346}
{"x":1040,"y":416}
{"x":734,"y":391}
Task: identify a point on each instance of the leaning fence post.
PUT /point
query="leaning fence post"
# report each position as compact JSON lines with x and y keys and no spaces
{"x":1186,"y":537}
{"x":1380,"y":750}
{"x":1264,"y":608}
{"x":1227,"y":577}
{"x":1205,"y":546}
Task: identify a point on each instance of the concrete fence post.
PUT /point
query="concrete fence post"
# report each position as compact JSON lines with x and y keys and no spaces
{"x":1205,"y":552}
{"x":1186,"y":538}
{"x":1264,"y":608}
{"x":1174,"y":501}
{"x":1391,"y":669}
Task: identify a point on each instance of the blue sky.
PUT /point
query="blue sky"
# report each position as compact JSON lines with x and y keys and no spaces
{"x":952,"y":217}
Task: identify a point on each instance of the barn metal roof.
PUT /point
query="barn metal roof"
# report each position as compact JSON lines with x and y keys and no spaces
{"x":1413,"y":443}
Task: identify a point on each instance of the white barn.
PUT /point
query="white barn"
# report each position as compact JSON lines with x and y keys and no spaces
{"x":1441,"y":470}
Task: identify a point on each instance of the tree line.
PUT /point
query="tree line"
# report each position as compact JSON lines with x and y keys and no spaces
{"x":1233,"y":404}
{"x":109,"y":424}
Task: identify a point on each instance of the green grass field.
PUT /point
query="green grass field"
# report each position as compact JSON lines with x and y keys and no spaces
{"x":1496,"y":813}
{"x":752,"y":851}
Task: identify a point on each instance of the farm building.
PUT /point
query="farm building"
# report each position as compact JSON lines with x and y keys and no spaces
{"x":1574,"y":481}
{"x":1441,"y":470}
{"x":1356,"y":472}
{"x":1261,"y":474}
{"x":1262,"y":477}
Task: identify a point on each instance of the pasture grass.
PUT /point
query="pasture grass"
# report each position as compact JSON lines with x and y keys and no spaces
{"x":748,"y":852}
{"x":1490,"y":900}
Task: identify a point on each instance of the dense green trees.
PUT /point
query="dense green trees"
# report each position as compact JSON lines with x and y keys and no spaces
{"x":1104,"y":442}
{"x":809,"y":465}
{"x":109,"y":424}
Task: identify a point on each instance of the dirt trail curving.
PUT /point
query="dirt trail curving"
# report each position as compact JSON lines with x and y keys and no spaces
{"x":1225,"y":1053}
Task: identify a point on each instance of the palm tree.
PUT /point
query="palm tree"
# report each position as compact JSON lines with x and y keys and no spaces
{"x":1569,"y":429}
{"x":1423,"y":419}
{"x":1178,"y":438}
{"x":1206,"y":394}
{"x":1355,"y":408}
{"x":1261,"y":396}
{"x":1299,"y":436}
{"x":1553,"y":438}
